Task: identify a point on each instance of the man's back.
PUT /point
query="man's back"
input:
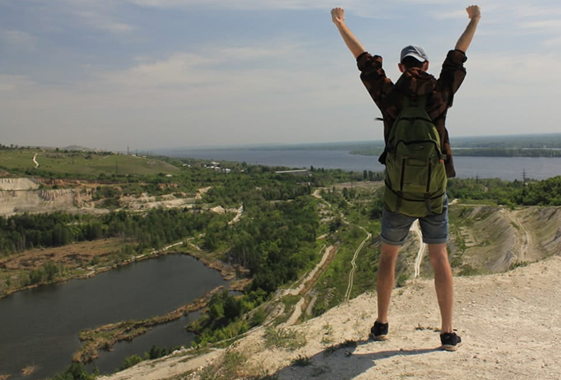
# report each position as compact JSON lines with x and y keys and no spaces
{"x":414,"y":84}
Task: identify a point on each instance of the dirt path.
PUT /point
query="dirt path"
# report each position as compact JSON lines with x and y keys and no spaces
{"x":237,"y":217}
{"x":353,"y":264}
{"x":308,"y":283}
{"x":297,"y":312}
{"x":316,"y":194}
{"x":35,"y":161}
{"x":167,"y":247}
{"x":304,"y":280}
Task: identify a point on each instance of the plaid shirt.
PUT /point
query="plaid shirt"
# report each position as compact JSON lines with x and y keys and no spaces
{"x":414,"y":82}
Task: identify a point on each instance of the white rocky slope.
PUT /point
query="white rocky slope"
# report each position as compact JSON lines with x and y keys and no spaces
{"x":510,"y":324}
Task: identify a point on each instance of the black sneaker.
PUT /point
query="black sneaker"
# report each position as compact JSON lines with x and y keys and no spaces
{"x":450,"y":341}
{"x":379,"y":331}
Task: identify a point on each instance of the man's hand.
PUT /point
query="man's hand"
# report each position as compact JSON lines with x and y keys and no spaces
{"x":474,"y":14}
{"x":338,"y":15}
{"x":473,"y":11}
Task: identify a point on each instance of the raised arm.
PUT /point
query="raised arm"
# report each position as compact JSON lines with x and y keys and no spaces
{"x":354,"y":45}
{"x":474,"y":14}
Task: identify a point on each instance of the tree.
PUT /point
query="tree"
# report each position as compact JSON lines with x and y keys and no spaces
{"x":50,"y":269}
{"x":130,"y":361}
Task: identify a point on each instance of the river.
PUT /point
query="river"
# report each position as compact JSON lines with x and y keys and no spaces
{"x":506,"y":168}
{"x":40,"y":326}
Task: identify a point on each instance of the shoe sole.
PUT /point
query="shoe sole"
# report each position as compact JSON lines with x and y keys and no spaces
{"x":450,"y":347}
{"x":378,"y":338}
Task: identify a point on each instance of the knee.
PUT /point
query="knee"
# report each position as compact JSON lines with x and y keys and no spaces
{"x":389,"y":254}
{"x":438,"y":255}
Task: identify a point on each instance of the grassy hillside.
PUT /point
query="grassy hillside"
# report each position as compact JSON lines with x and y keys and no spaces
{"x":80,"y":163}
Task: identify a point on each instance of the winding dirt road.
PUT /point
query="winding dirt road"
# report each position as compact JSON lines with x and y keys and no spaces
{"x":353,"y":264}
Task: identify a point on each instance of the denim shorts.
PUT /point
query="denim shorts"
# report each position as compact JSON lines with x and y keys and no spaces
{"x":395,"y":227}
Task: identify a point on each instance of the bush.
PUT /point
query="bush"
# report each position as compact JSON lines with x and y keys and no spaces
{"x":76,"y":372}
{"x":130,"y":361}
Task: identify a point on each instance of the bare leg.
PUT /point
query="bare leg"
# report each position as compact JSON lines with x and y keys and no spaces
{"x":386,"y":277}
{"x":443,"y":283}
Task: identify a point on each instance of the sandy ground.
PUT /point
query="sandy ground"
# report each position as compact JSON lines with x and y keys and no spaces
{"x":510,"y":324}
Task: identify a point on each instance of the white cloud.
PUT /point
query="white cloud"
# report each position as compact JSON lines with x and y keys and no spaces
{"x":449,"y":14}
{"x":519,"y":76}
{"x":191,"y":98}
{"x":102,"y":21}
{"x":251,"y":4}
{"x":178,"y":70}
{"x":96,"y":14}
{"x":544,"y":26}
{"x":263,"y":90}
{"x":19,"y":40}
{"x":525,"y":10}
{"x":278,"y":4}
{"x":12,"y":83}
{"x":552,"y":41}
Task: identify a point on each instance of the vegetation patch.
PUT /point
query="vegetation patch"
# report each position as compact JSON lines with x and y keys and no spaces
{"x":230,"y":366}
{"x":107,"y":336}
{"x":286,"y":338}
{"x":302,"y":361}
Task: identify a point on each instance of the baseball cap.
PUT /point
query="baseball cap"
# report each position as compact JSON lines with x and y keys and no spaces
{"x":416,"y":52}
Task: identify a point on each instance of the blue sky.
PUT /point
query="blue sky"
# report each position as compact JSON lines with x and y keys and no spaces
{"x":169,"y":73}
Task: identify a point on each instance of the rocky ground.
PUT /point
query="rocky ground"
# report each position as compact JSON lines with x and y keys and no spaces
{"x":509,"y":322}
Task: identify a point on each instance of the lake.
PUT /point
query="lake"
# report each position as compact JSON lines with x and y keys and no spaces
{"x":40,"y":326}
{"x":506,"y":168}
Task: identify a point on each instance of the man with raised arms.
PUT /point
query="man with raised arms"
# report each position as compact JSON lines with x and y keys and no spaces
{"x":437,"y":96}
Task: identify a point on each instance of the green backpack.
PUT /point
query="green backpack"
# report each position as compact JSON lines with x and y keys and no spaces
{"x":415,"y":174}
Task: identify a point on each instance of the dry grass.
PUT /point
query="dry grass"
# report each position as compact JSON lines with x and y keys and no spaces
{"x":28,"y":370}
{"x":71,"y":256}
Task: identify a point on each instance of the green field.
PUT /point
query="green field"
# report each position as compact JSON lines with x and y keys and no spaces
{"x":80,"y":163}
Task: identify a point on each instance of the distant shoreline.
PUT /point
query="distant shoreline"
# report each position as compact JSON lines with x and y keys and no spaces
{"x":531,"y":141}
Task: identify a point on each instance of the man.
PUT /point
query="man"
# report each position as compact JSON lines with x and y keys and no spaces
{"x":389,"y":98}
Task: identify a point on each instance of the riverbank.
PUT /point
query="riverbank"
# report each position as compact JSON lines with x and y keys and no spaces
{"x":103,"y":255}
{"x":105,"y":337}
{"x":41,"y":326}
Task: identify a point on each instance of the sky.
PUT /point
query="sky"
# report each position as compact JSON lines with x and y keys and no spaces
{"x":152,"y":74}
